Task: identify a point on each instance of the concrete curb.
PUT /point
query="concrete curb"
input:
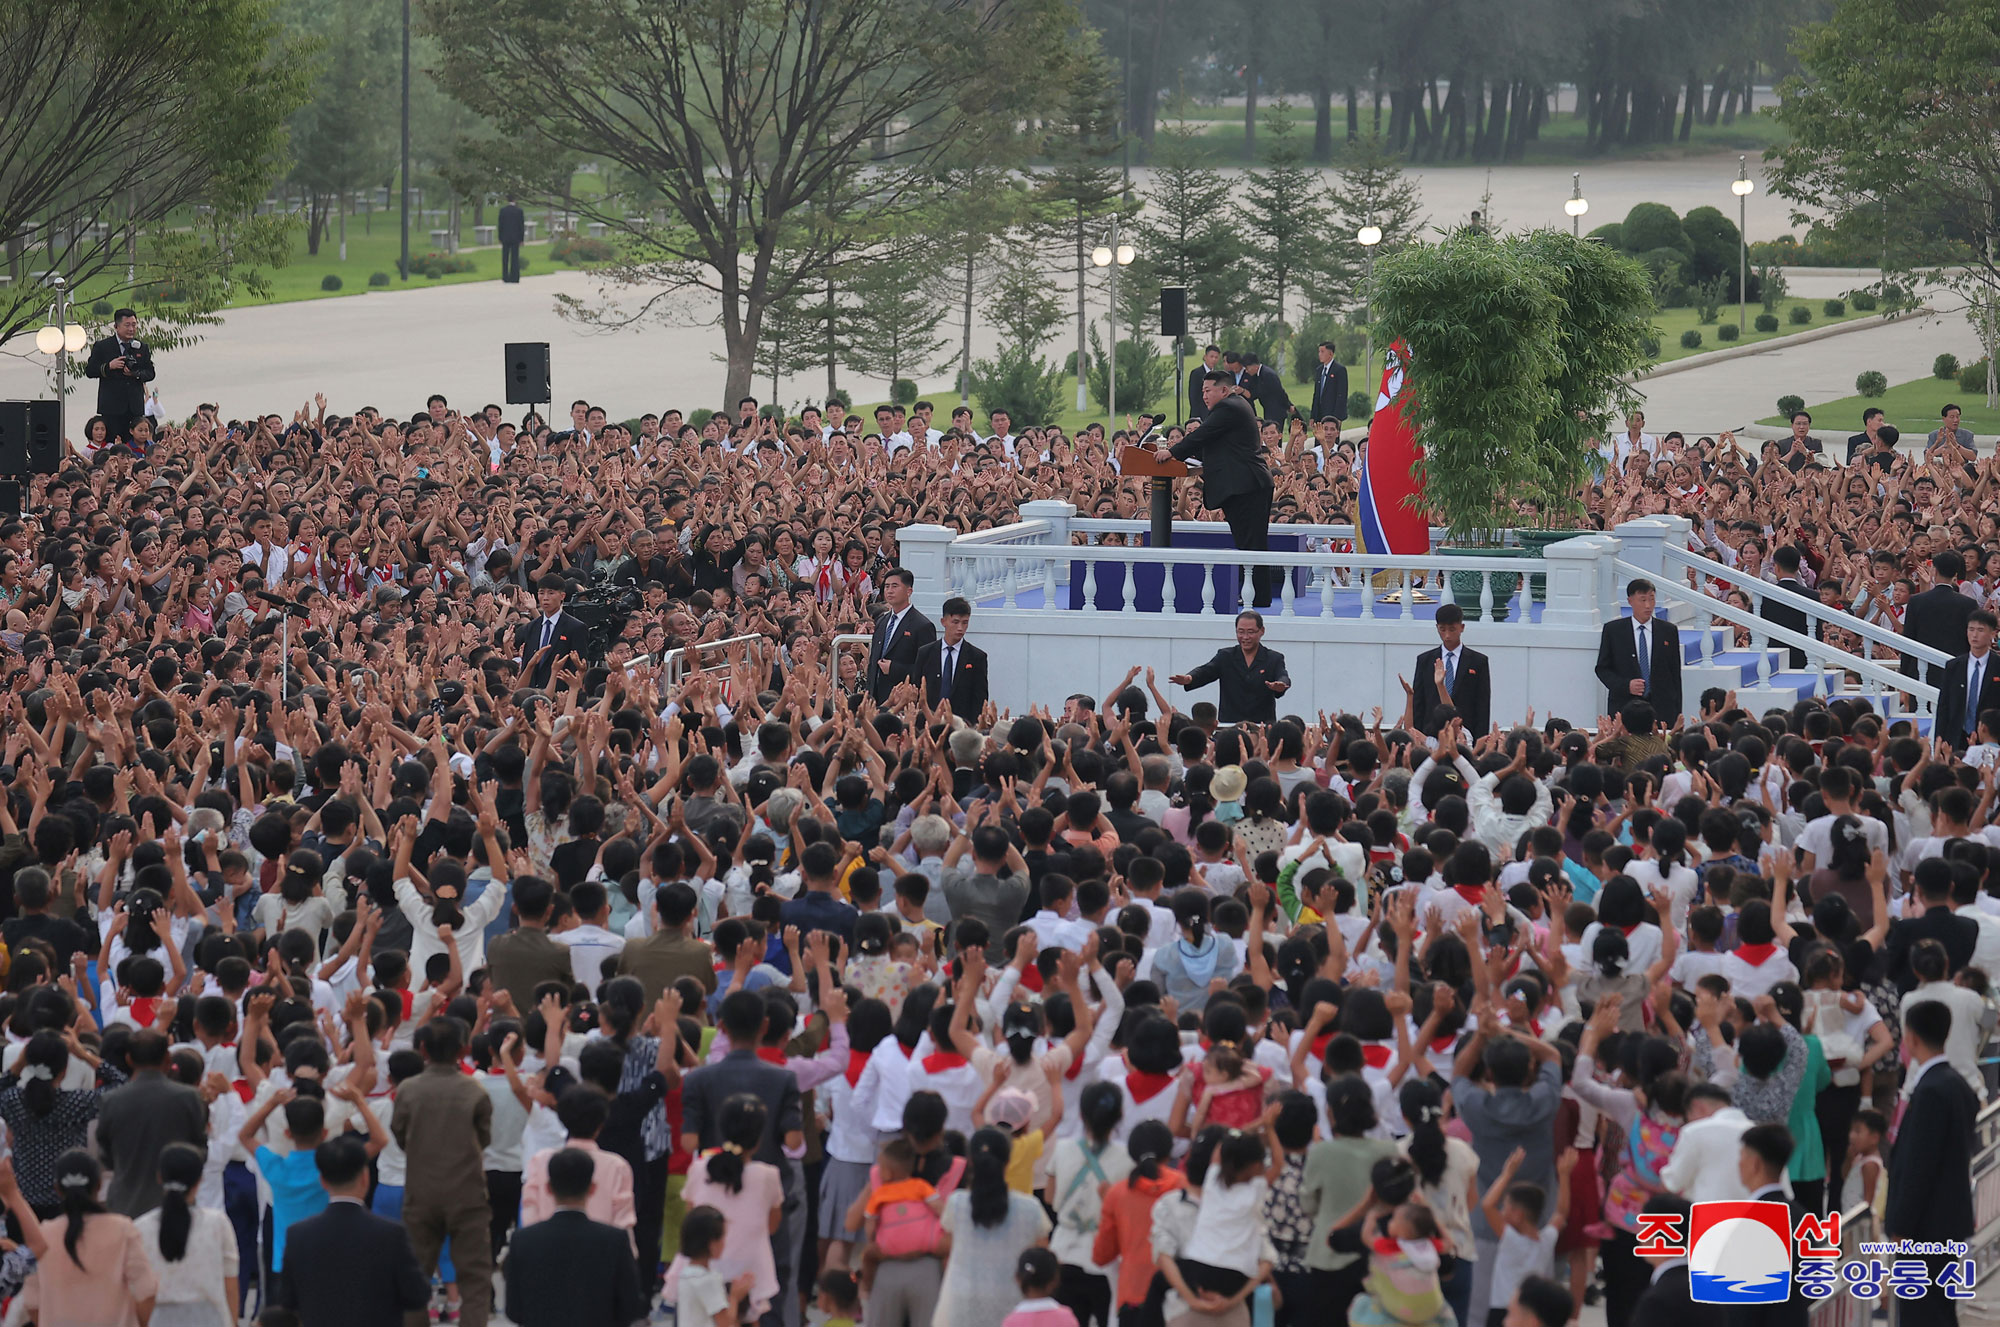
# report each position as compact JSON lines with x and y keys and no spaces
{"x":1724,"y":355}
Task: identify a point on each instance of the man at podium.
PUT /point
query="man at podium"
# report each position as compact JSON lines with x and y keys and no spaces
{"x":1234,"y":479}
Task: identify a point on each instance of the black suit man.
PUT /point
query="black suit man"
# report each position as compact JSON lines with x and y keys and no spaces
{"x":551,"y":635}
{"x":571,"y":1270}
{"x":1667,"y":1300}
{"x":953,"y":668}
{"x":1767,"y":1148}
{"x":1971,"y":684}
{"x":1930,"y":1166}
{"x":1251,"y":677}
{"x":1938,"y":616}
{"x":1786,"y":560}
{"x":1265,"y":390}
{"x":1452,"y":675}
{"x":901,"y":632}
{"x":1198,"y":408}
{"x":123,"y":366}
{"x":348,"y":1267}
{"x":1628,"y":672}
{"x":1330,"y":389}
{"x":513,"y":230}
{"x":1234,"y":480}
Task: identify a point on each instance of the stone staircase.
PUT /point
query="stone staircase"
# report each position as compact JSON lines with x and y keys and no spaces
{"x":1737,"y":669}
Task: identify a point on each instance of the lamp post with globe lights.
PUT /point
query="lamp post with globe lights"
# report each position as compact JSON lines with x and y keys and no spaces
{"x":59,"y":339}
{"x":1113,"y":256}
{"x":1368,"y":237}
{"x":1576,"y":204}
{"x":1742,"y":186}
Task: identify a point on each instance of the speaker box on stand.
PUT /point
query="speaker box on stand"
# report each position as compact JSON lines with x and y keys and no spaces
{"x":527,"y":372}
{"x":44,"y":437}
{"x":1173,"y":310}
{"x":13,"y":438}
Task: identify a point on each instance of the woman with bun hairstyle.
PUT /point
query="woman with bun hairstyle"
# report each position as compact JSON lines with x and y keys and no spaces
{"x":1447,"y":1175}
{"x":1196,"y":957}
{"x":297,"y":903}
{"x":1125,"y":1221}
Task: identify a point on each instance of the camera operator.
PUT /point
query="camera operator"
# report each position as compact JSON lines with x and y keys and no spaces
{"x":123,"y":366}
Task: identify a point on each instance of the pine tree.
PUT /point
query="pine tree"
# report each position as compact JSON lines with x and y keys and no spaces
{"x":1077,"y":193}
{"x":1184,"y":234}
{"x":901,"y":316}
{"x":1372,"y":191}
{"x":1283,"y":213}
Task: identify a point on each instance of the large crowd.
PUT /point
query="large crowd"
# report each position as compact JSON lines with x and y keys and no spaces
{"x":384,"y":929}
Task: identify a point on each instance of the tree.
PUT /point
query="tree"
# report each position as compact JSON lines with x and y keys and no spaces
{"x":1283,"y":213}
{"x":1895,"y":110}
{"x":1145,"y":376}
{"x":1079,"y":190}
{"x":746,"y":115}
{"x":343,"y":140}
{"x":1371,"y":191}
{"x":126,"y":117}
{"x":902,"y":319}
{"x":1020,"y":302}
{"x":1184,"y":236}
{"x":977,"y":208}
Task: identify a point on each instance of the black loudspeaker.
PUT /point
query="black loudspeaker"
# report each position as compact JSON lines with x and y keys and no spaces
{"x":13,"y":437}
{"x":44,"y":437}
{"x":1173,"y":310}
{"x":10,"y":497}
{"x":527,"y":373}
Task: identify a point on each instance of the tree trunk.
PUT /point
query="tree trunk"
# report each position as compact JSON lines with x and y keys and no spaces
{"x":1594,"y":113}
{"x":1517,"y":124}
{"x":1322,"y":119}
{"x":1716,"y":91}
{"x":1420,"y":126}
{"x":1454,"y":117}
{"x":1375,"y":91}
{"x":1081,"y":325}
{"x":1496,"y":123}
{"x":1250,"y":110}
{"x":1353,"y":113}
{"x":965,"y":345}
{"x":1398,"y":120}
{"x":1148,"y":87}
{"x":1476,"y":100}
{"x":342,"y":205}
{"x":1693,"y":102}
{"x":832,"y":356}
{"x":315,"y":224}
{"x":1729,"y":105}
{"x":1541,"y":112}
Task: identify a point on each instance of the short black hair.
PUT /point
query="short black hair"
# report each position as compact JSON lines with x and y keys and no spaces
{"x":120,"y":315}
{"x":1929,"y":1021}
{"x":1449,"y":614}
{"x":1549,"y":1301}
{"x":955,"y":607}
{"x":1639,"y":585}
{"x":571,"y":1172}
{"x":1771,"y":1142}
{"x":341,"y":1159}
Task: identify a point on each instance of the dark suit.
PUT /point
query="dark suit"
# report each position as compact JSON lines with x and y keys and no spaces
{"x":968,"y":679}
{"x":1794,"y":1312}
{"x":348,"y":1267}
{"x":1244,"y":696}
{"x":1788,"y":617}
{"x":512,"y":230}
{"x":1197,"y":408}
{"x":1937,"y":618}
{"x":1667,"y":1302}
{"x":1269,"y":393}
{"x":121,"y":393}
{"x":702,"y":1093}
{"x":1329,"y":391}
{"x":1471,"y":691}
{"x":913,"y":632}
{"x":1234,"y":480}
{"x":1959,"y":936}
{"x":569,"y":638}
{"x":1930,"y":1179}
{"x":135,"y":1124}
{"x":572,"y":1270}
{"x":1618,"y":665}
{"x":1953,"y":691}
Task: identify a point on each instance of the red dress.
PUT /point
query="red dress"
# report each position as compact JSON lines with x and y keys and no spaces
{"x":1585,"y":1196}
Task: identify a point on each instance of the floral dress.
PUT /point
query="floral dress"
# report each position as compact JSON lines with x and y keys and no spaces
{"x":879,"y":977}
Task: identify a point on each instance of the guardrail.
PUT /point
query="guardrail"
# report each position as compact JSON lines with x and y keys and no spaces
{"x":1842,"y":1309}
{"x":674,"y":663}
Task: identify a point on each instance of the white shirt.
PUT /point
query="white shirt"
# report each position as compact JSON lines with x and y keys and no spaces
{"x":1817,"y":837}
{"x":1053,"y":932}
{"x":1970,"y":1021}
{"x":1986,"y":951}
{"x":272,"y":565}
{"x":1703,"y":1167}
{"x":589,"y":946}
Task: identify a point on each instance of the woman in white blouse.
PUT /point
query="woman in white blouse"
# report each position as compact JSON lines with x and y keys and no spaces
{"x":192,"y":1249}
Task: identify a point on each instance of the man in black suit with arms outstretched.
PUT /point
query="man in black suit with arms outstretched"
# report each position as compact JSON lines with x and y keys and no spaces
{"x":348,"y":1267}
{"x":1234,"y":480}
{"x":1251,"y":677}
{"x":123,"y":366}
{"x":550,"y":635}
{"x":901,"y":633}
{"x":1640,"y":656}
{"x":952,"y":667}
{"x":1971,"y":683}
{"x":1938,"y":616}
{"x":1452,"y":675}
{"x":1930,"y":1165}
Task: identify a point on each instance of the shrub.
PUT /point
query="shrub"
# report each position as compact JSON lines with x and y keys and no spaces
{"x":1863,"y":301}
{"x":1728,"y":332}
{"x":102,"y":308}
{"x":1651,"y":345}
{"x":1872,"y":383}
{"x":378,"y":279}
{"x":1651,"y":226}
{"x":1834,"y":308}
{"x":1708,"y":299}
{"x":903,"y":391}
{"x":1972,"y":378}
{"x":435,"y":265}
{"x":1945,"y":367}
{"x":580,"y":249}
{"x":1690,"y":339}
{"x":331,"y":281}
{"x":1359,"y":406}
{"x":1766,"y":322}
{"x":1789,"y":405}
{"x":1713,"y":244}
{"x":1612,"y":233}
{"x":1800,"y":315}
{"x":1669,"y":271}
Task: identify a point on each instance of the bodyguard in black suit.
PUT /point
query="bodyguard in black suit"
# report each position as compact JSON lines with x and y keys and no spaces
{"x":1767,"y":1149}
{"x":901,"y":633}
{"x":1667,"y":1300}
{"x":512,"y":230}
{"x":1930,"y":1165}
{"x":1265,"y":390}
{"x":952,"y":668}
{"x":1938,"y":616}
{"x":1786,"y":559}
{"x":551,"y":635}
{"x":1252,"y":677}
{"x":1452,"y":675}
{"x":123,"y":366}
{"x":1210,"y":359}
{"x":571,"y":1271}
{"x":1934,"y":920}
{"x":1330,"y":389}
{"x":1234,"y":480}
{"x":1971,"y":683}
{"x":348,"y":1267}
{"x":1626,"y":675}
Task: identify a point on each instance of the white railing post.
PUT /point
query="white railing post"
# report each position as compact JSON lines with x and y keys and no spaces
{"x":1058,"y":515}
{"x":1575,"y":571}
{"x":1645,"y":542}
{"x":923,"y":549}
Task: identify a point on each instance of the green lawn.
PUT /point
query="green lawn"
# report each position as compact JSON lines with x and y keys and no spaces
{"x":1913,"y":407}
{"x":378,"y":252}
{"x":1673,"y":322}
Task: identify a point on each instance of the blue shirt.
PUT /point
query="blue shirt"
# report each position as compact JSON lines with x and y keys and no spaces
{"x":296,"y":1193}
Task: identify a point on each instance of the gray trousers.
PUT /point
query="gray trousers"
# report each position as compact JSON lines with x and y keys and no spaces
{"x":906,"y":1292}
{"x":1487,"y":1250}
{"x":788,"y":1249}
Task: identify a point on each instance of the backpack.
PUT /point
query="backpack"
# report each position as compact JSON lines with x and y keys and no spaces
{"x":910,"y":1228}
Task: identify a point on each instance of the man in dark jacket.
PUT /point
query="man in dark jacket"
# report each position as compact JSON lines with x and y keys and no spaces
{"x":1252,"y":677}
{"x":1930,"y":1168}
{"x":1211,"y":359}
{"x":1451,"y":675}
{"x":570,"y":1269}
{"x":1329,"y":386}
{"x":1265,"y":390}
{"x":1934,"y":920}
{"x":1786,"y":560}
{"x":348,"y":1267}
{"x":123,"y":366}
{"x":1937,"y":617}
{"x":137,"y":1121}
{"x":1234,"y":480}
{"x":513,"y":230}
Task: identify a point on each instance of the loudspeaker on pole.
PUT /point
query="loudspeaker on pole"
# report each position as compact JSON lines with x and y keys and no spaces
{"x":527,"y":372}
{"x":1173,"y":310}
{"x":13,"y":437}
{"x":44,"y":437}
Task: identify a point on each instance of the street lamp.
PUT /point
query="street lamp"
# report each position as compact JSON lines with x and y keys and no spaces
{"x":1742,"y":186}
{"x":1368,"y":237}
{"x":1576,"y":204}
{"x":1114,"y":256}
{"x":59,"y":339}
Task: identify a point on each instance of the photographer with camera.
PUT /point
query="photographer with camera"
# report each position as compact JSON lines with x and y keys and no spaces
{"x":123,"y":366}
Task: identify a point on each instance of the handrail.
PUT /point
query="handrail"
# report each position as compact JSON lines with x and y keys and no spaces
{"x":1773,"y":634}
{"x":999,"y":534}
{"x":1245,"y":557}
{"x":1813,"y":608}
{"x":1312,"y":529}
{"x":673,"y":664}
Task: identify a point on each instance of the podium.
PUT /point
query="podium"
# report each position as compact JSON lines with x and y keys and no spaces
{"x":1162,"y":470}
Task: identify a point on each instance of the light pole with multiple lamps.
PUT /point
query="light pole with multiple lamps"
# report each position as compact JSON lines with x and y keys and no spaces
{"x":1576,"y":204}
{"x":1368,"y":237}
{"x":1114,"y":256}
{"x":1742,"y":186}
{"x":59,"y":339}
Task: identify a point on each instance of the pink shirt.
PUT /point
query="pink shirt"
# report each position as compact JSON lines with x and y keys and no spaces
{"x":1039,"y":1313}
{"x":610,"y":1198}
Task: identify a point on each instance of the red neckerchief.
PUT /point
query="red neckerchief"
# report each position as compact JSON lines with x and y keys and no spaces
{"x":856,"y":1062}
{"x":1473,"y":894}
{"x":243,"y":1090}
{"x":1627,"y":930}
{"x":145,"y":1008}
{"x":1144,"y":1087}
{"x":1444,"y":1043}
{"x":1319,"y":1045}
{"x":823,"y":583}
{"x":1755,"y":955}
{"x":907,"y":1051}
{"x":943,"y":1060}
{"x":1376,"y":1055}
{"x":772,"y":1055}
{"x":1031,"y":979}
{"x":409,"y":1002}
{"x":1075,"y":1069}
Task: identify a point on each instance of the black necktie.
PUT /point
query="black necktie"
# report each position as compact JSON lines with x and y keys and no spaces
{"x":950,"y":667}
{"x":548,"y":632}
